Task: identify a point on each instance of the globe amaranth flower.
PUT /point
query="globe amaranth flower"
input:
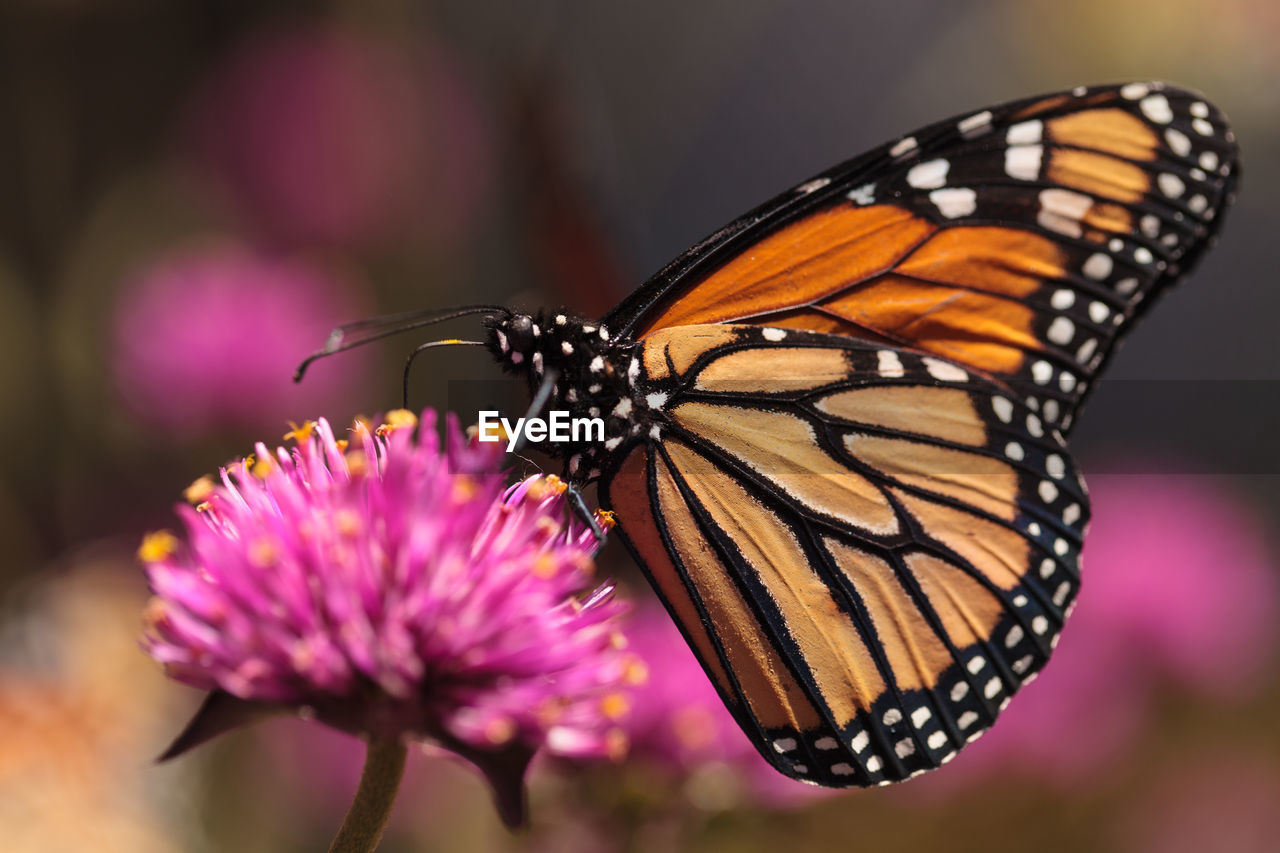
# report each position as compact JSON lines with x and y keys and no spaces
{"x":392,"y":591}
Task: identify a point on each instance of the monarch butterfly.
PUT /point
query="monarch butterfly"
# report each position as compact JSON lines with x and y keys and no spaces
{"x":835,"y":430}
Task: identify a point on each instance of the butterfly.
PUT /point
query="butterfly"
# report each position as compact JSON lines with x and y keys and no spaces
{"x":836,"y":429}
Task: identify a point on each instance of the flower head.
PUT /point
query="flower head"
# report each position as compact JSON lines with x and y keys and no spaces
{"x":393,"y":590}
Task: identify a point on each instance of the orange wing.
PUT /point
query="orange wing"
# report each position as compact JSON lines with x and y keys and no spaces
{"x":1020,"y":241}
{"x":869,"y":550}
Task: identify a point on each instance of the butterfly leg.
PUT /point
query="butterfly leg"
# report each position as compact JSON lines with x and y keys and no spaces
{"x":539,"y":402}
{"x":578,"y":506}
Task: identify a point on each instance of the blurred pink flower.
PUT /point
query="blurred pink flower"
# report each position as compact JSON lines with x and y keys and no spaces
{"x":678,"y":723}
{"x":1178,"y":585}
{"x":207,"y":337}
{"x":321,"y":136}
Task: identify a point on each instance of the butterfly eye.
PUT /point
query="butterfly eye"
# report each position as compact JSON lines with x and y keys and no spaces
{"x":520,"y":333}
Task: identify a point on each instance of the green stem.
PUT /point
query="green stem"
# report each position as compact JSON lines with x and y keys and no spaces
{"x":367,"y":818}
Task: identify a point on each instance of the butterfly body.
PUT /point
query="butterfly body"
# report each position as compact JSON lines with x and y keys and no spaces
{"x":836,"y":430}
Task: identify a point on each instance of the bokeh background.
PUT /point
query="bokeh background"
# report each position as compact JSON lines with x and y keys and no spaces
{"x":192,"y":194}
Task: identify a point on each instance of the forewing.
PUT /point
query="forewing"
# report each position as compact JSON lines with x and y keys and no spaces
{"x":1020,"y":240}
{"x":870,"y":550}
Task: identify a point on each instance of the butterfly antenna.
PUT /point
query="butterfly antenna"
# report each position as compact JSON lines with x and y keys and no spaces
{"x":364,"y":332}
{"x":408,"y":365}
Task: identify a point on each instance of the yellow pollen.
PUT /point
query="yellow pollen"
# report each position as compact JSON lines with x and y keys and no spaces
{"x":263,"y":467}
{"x":614,"y":706}
{"x":157,"y":546}
{"x":199,"y":491}
{"x":606,"y":519}
{"x":499,"y":731}
{"x":616,"y":744}
{"x":262,"y":554}
{"x":348,"y":523}
{"x":342,"y":444}
{"x":300,"y":434}
{"x":617,"y":640}
{"x":464,"y":488}
{"x":635,"y":672}
{"x":355,"y":462}
{"x":248,"y":462}
{"x":545,"y":566}
{"x":204,"y":506}
{"x":398,"y":419}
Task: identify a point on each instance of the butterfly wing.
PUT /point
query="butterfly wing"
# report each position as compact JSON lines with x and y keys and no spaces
{"x":869,"y":549}
{"x":1020,"y":240}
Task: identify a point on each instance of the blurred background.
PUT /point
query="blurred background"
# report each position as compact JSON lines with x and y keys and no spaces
{"x":192,"y":194}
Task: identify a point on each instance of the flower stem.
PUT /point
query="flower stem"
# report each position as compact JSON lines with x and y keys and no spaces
{"x":367,"y":818}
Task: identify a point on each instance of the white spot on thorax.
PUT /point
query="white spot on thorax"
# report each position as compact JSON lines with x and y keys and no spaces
{"x":597,"y":365}
{"x":656,"y":400}
{"x":623,"y":409}
{"x":566,"y":348}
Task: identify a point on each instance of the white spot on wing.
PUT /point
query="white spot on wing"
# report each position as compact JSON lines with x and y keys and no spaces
{"x":944,"y":371}
{"x":1025,"y":132}
{"x":811,"y":186}
{"x":975,"y":122}
{"x":1156,"y":108}
{"x":1098,"y":266}
{"x":1061,"y":330}
{"x":1023,"y":161}
{"x":930,"y":175}
{"x":1061,"y":210}
{"x":955,"y":202}
{"x":863,"y":195}
{"x":889,"y":364}
{"x":775,"y":335}
{"x":903,"y":146}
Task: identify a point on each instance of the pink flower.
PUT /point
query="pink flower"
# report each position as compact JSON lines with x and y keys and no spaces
{"x":320,"y":136}
{"x":391,"y":594}
{"x":1178,"y":586}
{"x":208,"y":337}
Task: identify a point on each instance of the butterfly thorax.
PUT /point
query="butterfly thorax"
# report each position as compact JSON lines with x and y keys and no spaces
{"x":595,"y":376}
